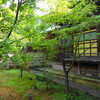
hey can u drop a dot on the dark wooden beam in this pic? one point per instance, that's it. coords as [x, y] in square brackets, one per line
[99, 70]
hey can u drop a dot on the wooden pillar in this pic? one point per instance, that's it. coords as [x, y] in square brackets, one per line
[99, 70]
[98, 40]
[79, 71]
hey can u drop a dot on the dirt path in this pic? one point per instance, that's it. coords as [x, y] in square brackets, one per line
[7, 93]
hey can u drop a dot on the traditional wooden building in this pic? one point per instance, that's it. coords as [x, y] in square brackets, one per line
[86, 54]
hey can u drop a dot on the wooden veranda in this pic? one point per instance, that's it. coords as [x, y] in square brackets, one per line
[81, 60]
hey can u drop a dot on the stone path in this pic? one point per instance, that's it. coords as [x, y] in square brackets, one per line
[81, 87]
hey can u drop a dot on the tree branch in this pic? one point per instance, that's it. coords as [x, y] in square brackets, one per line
[23, 2]
[16, 18]
[22, 38]
[12, 27]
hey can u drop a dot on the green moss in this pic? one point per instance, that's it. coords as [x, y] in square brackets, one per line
[59, 96]
[11, 78]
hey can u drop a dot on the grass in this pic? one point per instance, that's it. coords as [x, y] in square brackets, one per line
[9, 80]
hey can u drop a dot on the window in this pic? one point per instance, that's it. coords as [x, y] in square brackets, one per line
[87, 44]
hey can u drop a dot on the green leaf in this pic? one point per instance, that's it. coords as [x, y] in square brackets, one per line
[4, 1]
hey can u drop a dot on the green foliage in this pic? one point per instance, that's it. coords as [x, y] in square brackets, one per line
[3, 1]
[41, 85]
[44, 81]
[12, 6]
[45, 77]
[78, 95]
[44, 85]
[31, 29]
[75, 95]
[60, 13]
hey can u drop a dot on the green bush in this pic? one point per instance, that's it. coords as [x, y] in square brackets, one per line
[45, 77]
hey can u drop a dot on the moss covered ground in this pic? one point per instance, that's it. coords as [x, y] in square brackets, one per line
[12, 87]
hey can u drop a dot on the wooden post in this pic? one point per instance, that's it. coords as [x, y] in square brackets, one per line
[79, 72]
[99, 70]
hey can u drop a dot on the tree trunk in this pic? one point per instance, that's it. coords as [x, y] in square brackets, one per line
[21, 71]
[15, 65]
[67, 82]
[66, 78]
